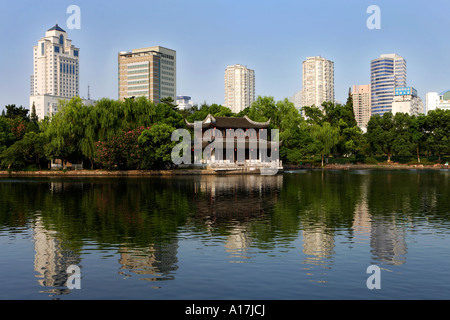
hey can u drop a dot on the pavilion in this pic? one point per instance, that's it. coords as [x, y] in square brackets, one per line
[244, 144]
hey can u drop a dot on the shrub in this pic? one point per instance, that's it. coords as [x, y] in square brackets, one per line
[370, 160]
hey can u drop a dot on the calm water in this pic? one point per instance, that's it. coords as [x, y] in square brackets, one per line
[298, 235]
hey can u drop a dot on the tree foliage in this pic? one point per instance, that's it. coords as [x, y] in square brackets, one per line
[136, 133]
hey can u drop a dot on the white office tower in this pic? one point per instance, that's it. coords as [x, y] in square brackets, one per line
[318, 81]
[239, 87]
[56, 72]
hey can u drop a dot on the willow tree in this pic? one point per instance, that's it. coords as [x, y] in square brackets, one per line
[326, 137]
[88, 133]
[64, 131]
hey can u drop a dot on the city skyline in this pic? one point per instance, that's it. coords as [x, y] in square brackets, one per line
[206, 43]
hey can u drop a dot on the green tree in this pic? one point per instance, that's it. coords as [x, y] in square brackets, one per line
[355, 142]
[313, 115]
[121, 151]
[264, 109]
[381, 133]
[16, 112]
[402, 143]
[64, 131]
[7, 138]
[418, 133]
[294, 134]
[438, 126]
[339, 115]
[326, 137]
[29, 150]
[157, 146]
[33, 116]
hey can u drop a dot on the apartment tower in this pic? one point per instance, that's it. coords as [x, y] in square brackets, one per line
[386, 73]
[56, 72]
[318, 81]
[148, 72]
[361, 104]
[239, 87]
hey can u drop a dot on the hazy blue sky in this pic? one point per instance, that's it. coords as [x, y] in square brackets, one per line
[271, 37]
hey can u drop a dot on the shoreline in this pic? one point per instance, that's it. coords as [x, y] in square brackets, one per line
[186, 172]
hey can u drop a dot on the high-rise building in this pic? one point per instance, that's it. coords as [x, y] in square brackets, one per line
[55, 72]
[239, 87]
[361, 104]
[387, 73]
[148, 72]
[318, 81]
[407, 101]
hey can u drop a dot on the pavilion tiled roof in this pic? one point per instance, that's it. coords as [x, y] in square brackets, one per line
[230, 123]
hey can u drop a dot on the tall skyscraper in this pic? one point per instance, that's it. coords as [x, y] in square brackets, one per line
[239, 87]
[386, 73]
[56, 71]
[148, 72]
[318, 81]
[361, 104]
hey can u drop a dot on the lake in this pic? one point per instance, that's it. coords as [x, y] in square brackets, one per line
[310, 234]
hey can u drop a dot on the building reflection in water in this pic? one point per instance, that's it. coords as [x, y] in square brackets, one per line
[155, 263]
[387, 242]
[318, 248]
[385, 236]
[238, 244]
[51, 260]
[362, 218]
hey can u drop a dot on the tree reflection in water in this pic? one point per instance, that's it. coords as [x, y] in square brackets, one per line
[308, 213]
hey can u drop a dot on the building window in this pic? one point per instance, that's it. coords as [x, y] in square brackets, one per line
[61, 39]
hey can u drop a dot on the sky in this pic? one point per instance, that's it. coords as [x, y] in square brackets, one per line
[272, 37]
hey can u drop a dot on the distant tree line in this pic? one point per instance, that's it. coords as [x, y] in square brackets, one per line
[136, 133]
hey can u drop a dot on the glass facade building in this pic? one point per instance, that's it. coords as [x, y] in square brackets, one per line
[387, 73]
